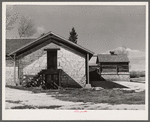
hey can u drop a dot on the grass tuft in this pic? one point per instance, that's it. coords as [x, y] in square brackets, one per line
[23, 107]
[35, 107]
[10, 101]
[103, 96]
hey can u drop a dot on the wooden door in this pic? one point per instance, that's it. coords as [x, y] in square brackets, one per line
[52, 78]
[48, 81]
[51, 59]
[52, 81]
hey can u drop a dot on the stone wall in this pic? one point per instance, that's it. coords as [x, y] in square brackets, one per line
[33, 61]
[67, 81]
[9, 73]
[124, 76]
[71, 63]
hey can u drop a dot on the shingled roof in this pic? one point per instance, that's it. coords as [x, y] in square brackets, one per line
[19, 46]
[14, 44]
[112, 58]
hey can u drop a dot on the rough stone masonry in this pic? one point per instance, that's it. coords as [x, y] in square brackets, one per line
[35, 60]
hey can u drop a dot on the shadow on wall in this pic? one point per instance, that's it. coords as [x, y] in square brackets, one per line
[97, 81]
[68, 82]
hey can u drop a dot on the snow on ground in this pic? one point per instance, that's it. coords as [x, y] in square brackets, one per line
[14, 98]
[104, 106]
[132, 85]
[32, 99]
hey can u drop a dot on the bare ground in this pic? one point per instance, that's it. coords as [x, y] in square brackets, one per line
[60, 100]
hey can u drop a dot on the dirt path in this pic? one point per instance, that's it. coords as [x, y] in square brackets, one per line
[20, 99]
[132, 85]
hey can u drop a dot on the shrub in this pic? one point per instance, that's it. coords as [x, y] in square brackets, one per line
[134, 74]
[33, 81]
[142, 74]
[137, 74]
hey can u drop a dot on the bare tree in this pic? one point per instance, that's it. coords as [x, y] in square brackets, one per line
[26, 27]
[11, 18]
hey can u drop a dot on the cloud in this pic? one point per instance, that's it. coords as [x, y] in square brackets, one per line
[136, 58]
[40, 30]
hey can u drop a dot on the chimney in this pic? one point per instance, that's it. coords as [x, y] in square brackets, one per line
[112, 52]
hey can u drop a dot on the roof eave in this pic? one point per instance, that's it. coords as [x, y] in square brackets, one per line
[72, 43]
[14, 52]
[48, 34]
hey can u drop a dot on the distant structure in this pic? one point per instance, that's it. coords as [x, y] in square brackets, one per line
[113, 66]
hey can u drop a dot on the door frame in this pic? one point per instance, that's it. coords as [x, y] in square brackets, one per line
[52, 71]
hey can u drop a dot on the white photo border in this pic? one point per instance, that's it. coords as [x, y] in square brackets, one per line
[71, 114]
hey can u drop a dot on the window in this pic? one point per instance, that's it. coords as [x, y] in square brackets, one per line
[109, 68]
[123, 68]
[114, 68]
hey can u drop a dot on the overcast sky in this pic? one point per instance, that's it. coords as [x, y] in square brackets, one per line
[99, 28]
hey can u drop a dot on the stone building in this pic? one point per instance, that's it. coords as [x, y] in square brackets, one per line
[58, 60]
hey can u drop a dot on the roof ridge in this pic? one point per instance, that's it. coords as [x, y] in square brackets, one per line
[49, 35]
[113, 54]
[71, 42]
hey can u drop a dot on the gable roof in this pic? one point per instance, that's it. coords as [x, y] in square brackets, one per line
[49, 35]
[14, 44]
[112, 58]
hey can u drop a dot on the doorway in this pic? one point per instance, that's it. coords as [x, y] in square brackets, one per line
[52, 81]
[52, 73]
[52, 60]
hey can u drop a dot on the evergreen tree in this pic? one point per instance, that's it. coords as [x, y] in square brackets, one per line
[73, 36]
